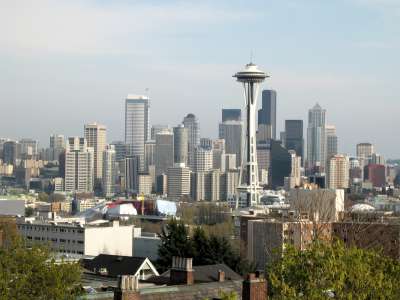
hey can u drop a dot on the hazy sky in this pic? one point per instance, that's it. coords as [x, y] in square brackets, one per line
[65, 63]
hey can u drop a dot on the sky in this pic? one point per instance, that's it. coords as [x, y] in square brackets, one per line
[65, 63]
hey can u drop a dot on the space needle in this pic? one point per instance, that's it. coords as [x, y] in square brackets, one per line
[249, 187]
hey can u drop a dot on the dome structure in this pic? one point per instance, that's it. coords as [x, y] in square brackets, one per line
[362, 207]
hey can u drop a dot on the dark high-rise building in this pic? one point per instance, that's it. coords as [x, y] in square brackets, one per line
[11, 152]
[281, 164]
[231, 114]
[294, 137]
[132, 167]
[267, 115]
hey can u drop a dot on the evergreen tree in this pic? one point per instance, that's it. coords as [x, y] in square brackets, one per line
[174, 242]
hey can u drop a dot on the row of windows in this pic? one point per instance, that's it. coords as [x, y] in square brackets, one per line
[45, 228]
[36, 238]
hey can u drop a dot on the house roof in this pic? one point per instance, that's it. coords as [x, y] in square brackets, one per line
[202, 274]
[117, 265]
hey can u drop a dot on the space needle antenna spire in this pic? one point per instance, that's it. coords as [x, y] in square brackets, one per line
[249, 188]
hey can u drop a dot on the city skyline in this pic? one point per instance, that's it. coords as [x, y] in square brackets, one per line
[346, 73]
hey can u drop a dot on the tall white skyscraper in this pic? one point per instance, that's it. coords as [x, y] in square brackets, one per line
[203, 160]
[109, 171]
[137, 125]
[95, 135]
[192, 124]
[316, 139]
[338, 172]
[79, 166]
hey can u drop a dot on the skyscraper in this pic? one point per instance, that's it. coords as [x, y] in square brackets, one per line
[281, 164]
[203, 160]
[178, 181]
[137, 125]
[95, 135]
[11, 152]
[267, 115]
[192, 124]
[294, 136]
[181, 142]
[331, 141]
[230, 129]
[338, 172]
[79, 166]
[109, 171]
[231, 114]
[365, 150]
[164, 152]
[132, 169]
[57, 146]
[316, 139]
[29, 148]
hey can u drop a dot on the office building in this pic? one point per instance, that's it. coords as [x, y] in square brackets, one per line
[178, 181]
[375, 174]
[132, 169]
[228, 184]
[377, 159]
[120, 150]
[109, 170]
[231, 114]
[338, 176]
[192, 124]
[231, 132]
[157, 129]
[181, 145]
[149, 154]
[68, 237]
[294, 137]
[331, 141]
[267, 116]
[164, 152]
[29, 148]
[316, 140]
[145, 184]
[95, 135]
[365, 150]
[203, 160]
[206, 143]
[137, 125]
[294, 179]
[218, 150]
[79, 166]
[11, 153]
[57, 146]
[281, 164]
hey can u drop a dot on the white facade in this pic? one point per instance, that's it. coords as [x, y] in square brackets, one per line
[109, 171]
[338, 172]
[79, 165]
[316, 138]
[75, 238]
[192, 124]
[203, 160]
[95, 135]
[178, 182]
[145, 184]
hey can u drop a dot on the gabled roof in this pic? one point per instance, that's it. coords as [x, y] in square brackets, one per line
[118, 265]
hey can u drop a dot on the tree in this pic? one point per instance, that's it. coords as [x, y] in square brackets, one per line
[333, 270]
[31, 273]
[43, 197]
[174, 242]
[29, 211]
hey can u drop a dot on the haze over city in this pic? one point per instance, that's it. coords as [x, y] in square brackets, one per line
[66, 63]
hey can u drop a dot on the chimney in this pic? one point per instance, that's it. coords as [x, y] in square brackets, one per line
[254, 288]
[128, 288]
[181, 271]
[221, 276]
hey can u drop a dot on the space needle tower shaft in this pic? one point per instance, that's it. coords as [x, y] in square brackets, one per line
[249, 187]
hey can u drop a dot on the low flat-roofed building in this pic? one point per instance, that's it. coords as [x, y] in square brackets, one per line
[79, 238]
